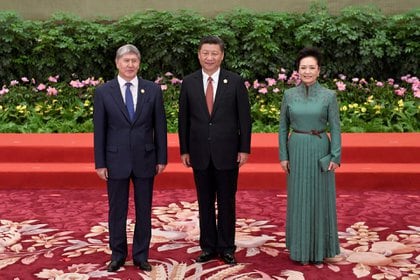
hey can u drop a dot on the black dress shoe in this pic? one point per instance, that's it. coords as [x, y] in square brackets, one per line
[115, 265]
[228, 258]
[145, 266]
[205, 257]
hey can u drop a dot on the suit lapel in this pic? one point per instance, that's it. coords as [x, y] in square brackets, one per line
[198, 80]
[141, 92]
[221, 88]
[116, 94]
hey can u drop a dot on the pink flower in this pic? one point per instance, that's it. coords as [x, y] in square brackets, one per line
[390, 81]
[270, 81]
[256, 84]
[175, 81]
[412, 80]
[164, 87]
[247, 84]
[379, 84]
[405, 78]
[417, 94]
[77, 84]
[94, 82]
[282, 70]
[363, 81]
[90, 82]
[341, 86]
[342, 77]
[415, 86]
[52, 91]
[41, 87]
[282, 77]
[24, 79]
[263, 90]
[14, 82]
[168, 74]
[275, 90]
[86, 82]
[4, 90]
[33, 81]
[355, 80]
[158, 80]
[294, 79]
[400, 92]
[53, 79]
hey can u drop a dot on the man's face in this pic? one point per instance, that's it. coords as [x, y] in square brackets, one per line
[128, 65]
[210, 57]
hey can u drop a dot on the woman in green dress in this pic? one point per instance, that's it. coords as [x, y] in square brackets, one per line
[310, 156]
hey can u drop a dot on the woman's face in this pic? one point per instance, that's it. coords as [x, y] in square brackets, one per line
[308, 70]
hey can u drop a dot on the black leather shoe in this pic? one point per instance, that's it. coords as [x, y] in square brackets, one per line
[205, 257]
[228, 258]
[115, 265]
[145, 266]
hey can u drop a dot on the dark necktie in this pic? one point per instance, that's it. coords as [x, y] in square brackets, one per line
[209, 95]
[129, 101]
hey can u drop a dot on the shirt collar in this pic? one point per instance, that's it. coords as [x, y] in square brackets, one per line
[215, 75]
[122, 82]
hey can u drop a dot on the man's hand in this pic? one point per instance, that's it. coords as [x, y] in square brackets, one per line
[242, 158]
[185, 159]
[160, 168]
[102, 173]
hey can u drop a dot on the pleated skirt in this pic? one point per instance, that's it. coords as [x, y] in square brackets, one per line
[311, 222]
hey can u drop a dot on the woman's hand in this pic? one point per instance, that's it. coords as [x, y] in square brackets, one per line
[333, 166]
[285, 166]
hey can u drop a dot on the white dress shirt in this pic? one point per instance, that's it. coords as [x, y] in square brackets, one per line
[134, 89]
[215, 82]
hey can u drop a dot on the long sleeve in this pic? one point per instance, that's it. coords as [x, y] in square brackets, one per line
[244, 116]
[284, 129]
[99, 120]
[160, 129]
[335, 129]
[183, 120]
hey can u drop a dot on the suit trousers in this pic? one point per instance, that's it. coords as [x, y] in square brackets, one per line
[118, 198]
[217, 235]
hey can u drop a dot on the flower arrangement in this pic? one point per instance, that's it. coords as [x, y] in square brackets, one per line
[366, 105]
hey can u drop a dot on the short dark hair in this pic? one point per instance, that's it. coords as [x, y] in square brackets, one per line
[306, 52]
[211, 39]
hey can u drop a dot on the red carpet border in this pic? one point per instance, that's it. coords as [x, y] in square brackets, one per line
[370, 161]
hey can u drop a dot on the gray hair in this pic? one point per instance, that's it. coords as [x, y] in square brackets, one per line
[128, 48]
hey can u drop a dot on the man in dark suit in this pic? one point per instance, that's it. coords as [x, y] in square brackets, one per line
[215, 139]
[130, 143]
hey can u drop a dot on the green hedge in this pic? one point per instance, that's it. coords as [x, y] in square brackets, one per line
[360, 42]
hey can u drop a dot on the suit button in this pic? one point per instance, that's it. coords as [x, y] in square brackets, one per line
[210, 123]
[209, 139]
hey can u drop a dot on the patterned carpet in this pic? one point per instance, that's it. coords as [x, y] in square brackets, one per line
[62, 234]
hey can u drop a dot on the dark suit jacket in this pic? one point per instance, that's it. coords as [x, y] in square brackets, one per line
[124, 147]
[223, 134]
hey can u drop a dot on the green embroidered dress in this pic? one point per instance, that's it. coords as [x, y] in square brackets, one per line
[311, 222]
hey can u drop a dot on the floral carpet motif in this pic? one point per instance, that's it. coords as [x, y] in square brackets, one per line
[63, 234]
